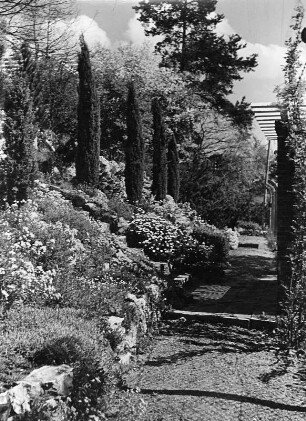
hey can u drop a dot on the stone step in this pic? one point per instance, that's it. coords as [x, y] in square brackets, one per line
[243, 320]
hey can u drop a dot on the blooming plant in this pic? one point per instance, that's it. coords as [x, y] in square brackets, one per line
[158, 237]
[232, 237]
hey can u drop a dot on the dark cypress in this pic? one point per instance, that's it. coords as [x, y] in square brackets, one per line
[134, 149]
[173, 170]
[159, 185]
[88, 128]
[20, 131]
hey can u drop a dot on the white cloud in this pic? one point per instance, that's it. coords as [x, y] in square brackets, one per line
[93, 34]
[135, 32]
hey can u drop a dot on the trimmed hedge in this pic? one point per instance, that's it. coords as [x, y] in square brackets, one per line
[215, 239]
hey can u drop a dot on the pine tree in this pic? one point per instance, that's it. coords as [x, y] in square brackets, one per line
[134, 149]
[88, 128]
[173, 170]
[159, 185]
[20, 130]
[191, 44]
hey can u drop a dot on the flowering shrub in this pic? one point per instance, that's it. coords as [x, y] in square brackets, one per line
[159, 238]
[40, 254]
[22, 276]
[232, 237]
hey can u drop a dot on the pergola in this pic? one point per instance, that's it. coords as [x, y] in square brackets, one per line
[265, 114]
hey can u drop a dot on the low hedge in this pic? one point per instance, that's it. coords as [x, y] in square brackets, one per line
[215, 239]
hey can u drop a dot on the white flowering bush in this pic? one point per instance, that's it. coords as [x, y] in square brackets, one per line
[159, 238]
[232, 237]
[22, 277]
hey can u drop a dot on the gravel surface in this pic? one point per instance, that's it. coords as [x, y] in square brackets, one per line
[201, 372]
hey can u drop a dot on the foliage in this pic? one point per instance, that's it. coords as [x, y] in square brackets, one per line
[249, 227]
[191, 44]
[88, 149]
[20, 130]
[114, 69]
[32, 337]
[232, 238]
[134, 149]
[173, 176]
[160, 145]
[222, 187]
[162, 240]
[292, 326]
[158, 237]
[214, 238]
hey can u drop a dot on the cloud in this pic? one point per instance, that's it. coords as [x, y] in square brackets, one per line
[93, 34]
[135, 32]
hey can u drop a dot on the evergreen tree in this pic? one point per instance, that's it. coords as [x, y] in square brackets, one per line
[159, 185]
[190, 44]
[20, 130]
[173, 170]
[134, 149]
[88, 128]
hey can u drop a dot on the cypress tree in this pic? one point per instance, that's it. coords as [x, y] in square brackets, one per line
[173, 170]
[88, 128]
[159, 185]
[20, 130]
[134, 149]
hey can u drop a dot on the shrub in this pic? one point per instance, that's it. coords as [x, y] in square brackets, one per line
[121, 208]
[33, 337]
[232, 237]
[211, 236]
[158, 237]
[249, 227]
[193, 255]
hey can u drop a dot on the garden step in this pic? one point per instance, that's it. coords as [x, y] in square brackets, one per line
[243, 320]
[249, 245]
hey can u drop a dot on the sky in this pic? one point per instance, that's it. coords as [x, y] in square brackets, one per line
[263, 24]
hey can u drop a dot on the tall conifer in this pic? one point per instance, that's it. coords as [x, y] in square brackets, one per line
[88, 129]
[173, 170]
[159, 185]
[20, 129]
[134, 149]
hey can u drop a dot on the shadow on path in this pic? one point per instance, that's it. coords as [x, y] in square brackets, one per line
[248, 287]
[226, 396]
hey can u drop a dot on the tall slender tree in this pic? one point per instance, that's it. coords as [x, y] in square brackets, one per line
[134, 149]
[20, 129]
[159, 185]
[88, 128]
[173, 187]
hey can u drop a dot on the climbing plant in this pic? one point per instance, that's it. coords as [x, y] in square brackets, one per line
[292, 324]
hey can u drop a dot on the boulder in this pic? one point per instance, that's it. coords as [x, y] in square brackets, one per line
[5, 406]
[56, 380]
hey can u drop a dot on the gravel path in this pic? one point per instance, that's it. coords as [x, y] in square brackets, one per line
[201, 372]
